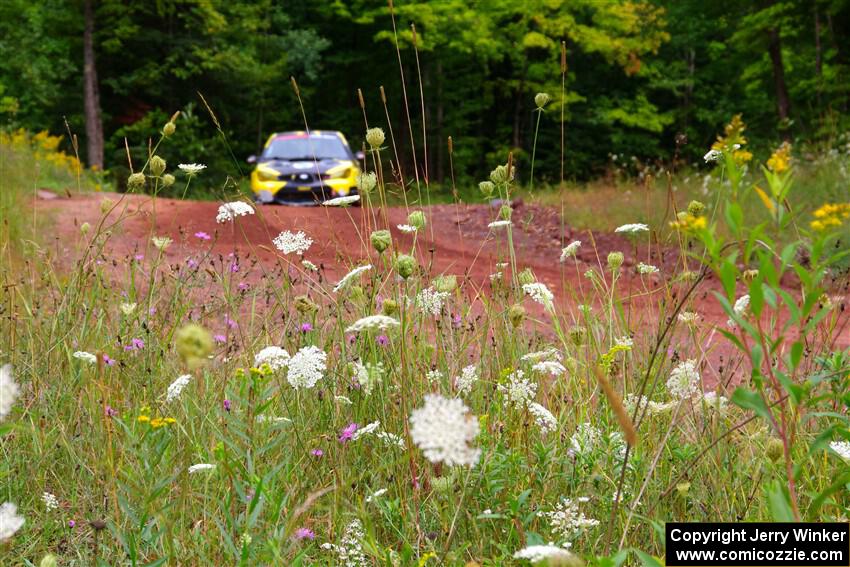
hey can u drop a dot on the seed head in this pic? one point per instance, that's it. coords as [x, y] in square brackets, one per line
[516, 314]
[696, 208]
[157, 166]
[304, 305]
[405, 265]
[445, 284]
[487, 188]
[375, 137]
[417, 219]
[390, 307]
[366, 182]
[106, 206]
[505, 212]
[775, 449]
[136, 181]
[169, 128]
[85, 228]
[167, 180]
[615, 260]
[527, 277]
[381, 240]
[541, 100]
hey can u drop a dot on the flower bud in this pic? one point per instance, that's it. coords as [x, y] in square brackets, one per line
[169, 128]
[487, 188]
[505, 212]
[136, 181]
[577, 334]
[375, 137]
[405, 265]
[516, 314]
[366, 182]
[194, 344]
[85, 228]
[615, 260]
[305, 305]
[417, 219]
[167, 180]
[446, 283]
[390, 307]
[381, 240]
[541, 99]
[499, 175]
[527, 277]
[696, 208]
[157, 166]
[106, 206]
[775, 449]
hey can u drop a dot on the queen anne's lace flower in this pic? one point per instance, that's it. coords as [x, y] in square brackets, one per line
[632, 228]
[191, 169]
[85, 356]
[289, 242]
[375, 495]
[366, 430]
[684, 381]
[10, 521]
[229, 211]
[688, 317]
[50, 501]
[740, 309]
[349, 552]
[552, 554]
[842, 449]
[201, 467]
[9, 390]
[407, 228]
[443, 429]
[468, 377]
[584, 440]
[351, 276]
[539, 293]
[431, 301]
[372, 323]
[567, 520]
[519, 390]
[646, 269]
[712, 156]
[543, 418]
[308, 265]
[161, 242]
[499, 224]
[176, 387]
[306, 367]
[276, 357]
[570, 250]
[341, 201]
[542, 355]
[550, 367]
[391, 439]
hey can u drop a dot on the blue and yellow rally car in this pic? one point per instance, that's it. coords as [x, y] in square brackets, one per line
[302, 168]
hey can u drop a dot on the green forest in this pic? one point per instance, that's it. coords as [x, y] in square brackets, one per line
[654, 79]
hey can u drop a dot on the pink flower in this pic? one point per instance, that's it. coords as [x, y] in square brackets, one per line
[306, 327]
[139, 257]
[317, 452]
[109, 411]
[135, 344]
[243, 286]
[230, 322]
[108, 361]
[305, 533]
[220, 338]
[226, 405]
[383, 340]
[202, 235]
[348, 432]
[191, 263]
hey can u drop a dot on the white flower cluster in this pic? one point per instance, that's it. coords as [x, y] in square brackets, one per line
[434, 376]
[543, 418]
[841, 448]
[372, 323]
[539, 293]
[443, 429]
[368, 375]
[128, 308]
[341, 201]
[624, 342]
[632, 402]
[306, 367]
[552, 554]
[632, 228]
[499, 224]
[85, 356]
[375, 495]
[201, 467]
[10, 521]
[584, 440]
[646, 269]
[349, 552]
[391, 439]
[229, 211]
[50, 501]
[567, 520]
[570, 250]
[551, 367]
[176, 387]
[519, 390]
[740, 309]
[468, 377]
[276, 357]
[430, 301]
[712, 156]
[161, 242]
[688, 317]
[407, 228]
[350, 276]
[9, 390]
[366, 430]
[289, 242]
[191, 169]
[542, 355]
[684, 381]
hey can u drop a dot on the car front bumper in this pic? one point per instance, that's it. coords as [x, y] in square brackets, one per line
[288, 192]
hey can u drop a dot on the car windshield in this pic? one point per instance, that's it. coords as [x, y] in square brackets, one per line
[318, 146]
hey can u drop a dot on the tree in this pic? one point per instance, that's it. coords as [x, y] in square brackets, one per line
[91, 98]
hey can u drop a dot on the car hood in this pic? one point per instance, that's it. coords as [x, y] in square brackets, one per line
[287, 167]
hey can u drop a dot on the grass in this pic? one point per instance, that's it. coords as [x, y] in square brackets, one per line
[95, 341]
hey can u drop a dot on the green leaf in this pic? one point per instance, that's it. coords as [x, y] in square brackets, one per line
[750, 400]
[647, 560]
[780, 505]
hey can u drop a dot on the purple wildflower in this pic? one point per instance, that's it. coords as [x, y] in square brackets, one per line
[226, 405]
[306, 327]
[457, 321]
[234, 267]
[139, 257]
[108, 361]
[109, 411]
[243, 286]
[305, 533]
[202, 235]
[135, 344]
[348, 432]
[191, 263]
[231, 324]
[383, 340]
[317, 452]
[71, 524]
[220, 338]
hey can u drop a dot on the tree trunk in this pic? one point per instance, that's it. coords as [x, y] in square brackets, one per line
[441, 151]
[91, 93]
[774, 48]
[818, 56]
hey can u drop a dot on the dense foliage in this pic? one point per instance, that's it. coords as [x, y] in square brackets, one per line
[643, 77]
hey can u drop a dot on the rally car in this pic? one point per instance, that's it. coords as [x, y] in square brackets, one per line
[302, 168]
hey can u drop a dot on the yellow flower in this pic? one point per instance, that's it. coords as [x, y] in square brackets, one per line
[733, 141]
[143, 418]
[780, 161]
[830, 215]
[688, 222]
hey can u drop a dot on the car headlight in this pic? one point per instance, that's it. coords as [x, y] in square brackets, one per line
[341, 174]
[267, 175]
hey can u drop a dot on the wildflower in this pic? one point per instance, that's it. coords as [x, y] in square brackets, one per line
[348, 433]
[229, 211]
[72, 524]
[276, 357]
[584, 440]
[417, 219]
[50, 501]
[539, 293]
[201, 467]
[688, 317]
[516, 313]
[343, 399]
[85, 356]
[341, 201]
[350, 276]
[551, 554]
[431, 301]
[733, 141]
[109, 411]
[157, 166]
[128, 308]
[542, 355]
[10, 521]
[136, 181]
[551, 367]
[615, 260]
[191, 169]
[624, 343]
[739, 309]
[219, 338]
[779, 162]
[543, 418]
[375, 137]
[194, 344]
[289, 242]
[519, 390]
[445, 283]
[688, 222]
[381, 240]
[541, 100]
[434, 376]
[135, 344]
[176, 387]
[684, 381]
[499, 224]
[308, 265]
[405, 265]
[365, 430]
[570, 250]
[407, 228]
[227, 405]
[168, 180]
[830, 215]
[161, 242]
[367, 181]
[375, 495]
[169, 128]
[487, 188]
[317, 452]
[349, 552]
[631, 229]
[645, 269]
[840, 448]
[567, 520]
[371, 323]
[715, 401]
[468, 377]
[712, 156]
[306, 367]
[501, 175]
[305, 533]
[390, 439]
[382, 340]
[85, 228]
[443, 430]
